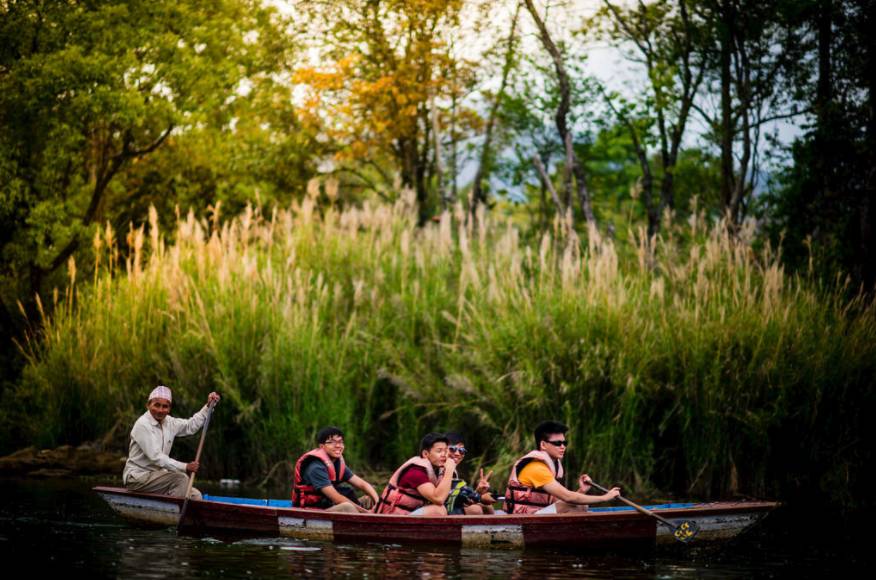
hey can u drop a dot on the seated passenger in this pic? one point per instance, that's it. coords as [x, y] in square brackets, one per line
[320, 472]
[534, 486]
[417, 487]
[463, 499]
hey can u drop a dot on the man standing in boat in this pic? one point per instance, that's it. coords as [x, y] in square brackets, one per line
[422, 483]
[149, 467]
[534, 484]
[320, 472]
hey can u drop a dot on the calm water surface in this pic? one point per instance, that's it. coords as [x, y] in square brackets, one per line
[61, 526]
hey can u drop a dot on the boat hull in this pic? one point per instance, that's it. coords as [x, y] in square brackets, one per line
[615, 528]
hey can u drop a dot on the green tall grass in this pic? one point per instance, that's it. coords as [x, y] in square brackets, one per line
[689, 363]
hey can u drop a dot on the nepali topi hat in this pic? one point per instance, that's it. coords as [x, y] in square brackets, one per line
[160, 392]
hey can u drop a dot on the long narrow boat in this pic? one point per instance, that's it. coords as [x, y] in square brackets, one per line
[612, 527]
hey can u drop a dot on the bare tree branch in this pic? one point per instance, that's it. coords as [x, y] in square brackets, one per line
[563, 111]
[545, 179]
[477, 195]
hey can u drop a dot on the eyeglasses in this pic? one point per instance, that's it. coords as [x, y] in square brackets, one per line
[558, 443]
[335, 442]
[457, 449]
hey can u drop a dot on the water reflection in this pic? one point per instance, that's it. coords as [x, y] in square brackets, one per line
[63, 526]
[438, 563]
[396, 561]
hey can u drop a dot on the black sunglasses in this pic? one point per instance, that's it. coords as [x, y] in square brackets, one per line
[457, 449]
[558, 443]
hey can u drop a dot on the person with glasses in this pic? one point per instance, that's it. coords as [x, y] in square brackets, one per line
[320, 472]
[463, 500]
[534, 484]
[420, 486]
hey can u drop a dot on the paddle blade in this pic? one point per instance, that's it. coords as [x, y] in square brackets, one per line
[190, 521]
[686, 531]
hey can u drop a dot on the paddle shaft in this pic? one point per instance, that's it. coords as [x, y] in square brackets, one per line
[197, 458]
[637, 507]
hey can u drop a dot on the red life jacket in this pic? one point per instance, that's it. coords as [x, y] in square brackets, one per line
[398, 500]
[305, 495]
[520, 499]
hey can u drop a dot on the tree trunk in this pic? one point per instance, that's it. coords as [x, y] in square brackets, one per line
[478, 196]
[690, 83]
[743, 186]
[439, 162]
[583, 193]
[454, 156]
[546, 183]
[563, 112]
[867, 205]
[726, 41]
[823, 98]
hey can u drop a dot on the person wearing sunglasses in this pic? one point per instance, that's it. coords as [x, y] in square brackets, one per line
[534, 484]
[320, 472]
[463, 500]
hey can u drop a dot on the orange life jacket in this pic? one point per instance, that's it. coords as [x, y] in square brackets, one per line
[399, 500]
[305, 495]
[520, 499]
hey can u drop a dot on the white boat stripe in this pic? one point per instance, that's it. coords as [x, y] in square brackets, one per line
[306, 528]
[144, 509]
[494, 535]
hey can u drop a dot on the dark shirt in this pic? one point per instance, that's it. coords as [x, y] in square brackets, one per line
[413, 477]
[316, 474]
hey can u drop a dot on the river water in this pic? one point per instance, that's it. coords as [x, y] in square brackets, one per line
[62, 526]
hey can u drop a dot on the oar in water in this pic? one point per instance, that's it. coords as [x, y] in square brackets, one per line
[683, 532]
[182, 512]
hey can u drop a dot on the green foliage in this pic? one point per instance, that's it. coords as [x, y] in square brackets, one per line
[821, 202]
[264, 157]
[692, 362]
[87, 90]
[696, 364]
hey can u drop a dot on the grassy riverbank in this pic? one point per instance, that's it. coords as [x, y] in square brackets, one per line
[692, 364]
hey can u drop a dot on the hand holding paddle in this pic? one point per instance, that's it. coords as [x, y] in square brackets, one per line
[212, 401]
[683, 532]
[585, 483]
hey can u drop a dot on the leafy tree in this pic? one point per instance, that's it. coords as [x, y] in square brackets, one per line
[573, 165]
[90, 89]
[529, 147]
[262, 157]
[822, 207]
[377, 97]
[666, 40]
[747, 50]
[478, 195]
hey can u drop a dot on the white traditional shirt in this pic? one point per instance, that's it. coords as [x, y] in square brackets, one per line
[151, 442]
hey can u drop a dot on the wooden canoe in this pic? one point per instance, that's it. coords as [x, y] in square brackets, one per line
[611, 527]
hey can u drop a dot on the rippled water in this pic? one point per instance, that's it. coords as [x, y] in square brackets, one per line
[62, 526]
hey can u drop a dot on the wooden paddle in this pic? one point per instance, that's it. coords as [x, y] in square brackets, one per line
[182, 512]
[683, 532]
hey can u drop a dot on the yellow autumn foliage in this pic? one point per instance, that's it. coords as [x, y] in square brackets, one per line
[377, 99]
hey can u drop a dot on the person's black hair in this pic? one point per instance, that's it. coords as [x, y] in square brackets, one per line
[327, 433]
[546, 428]
[429, 441]
[454, 438]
